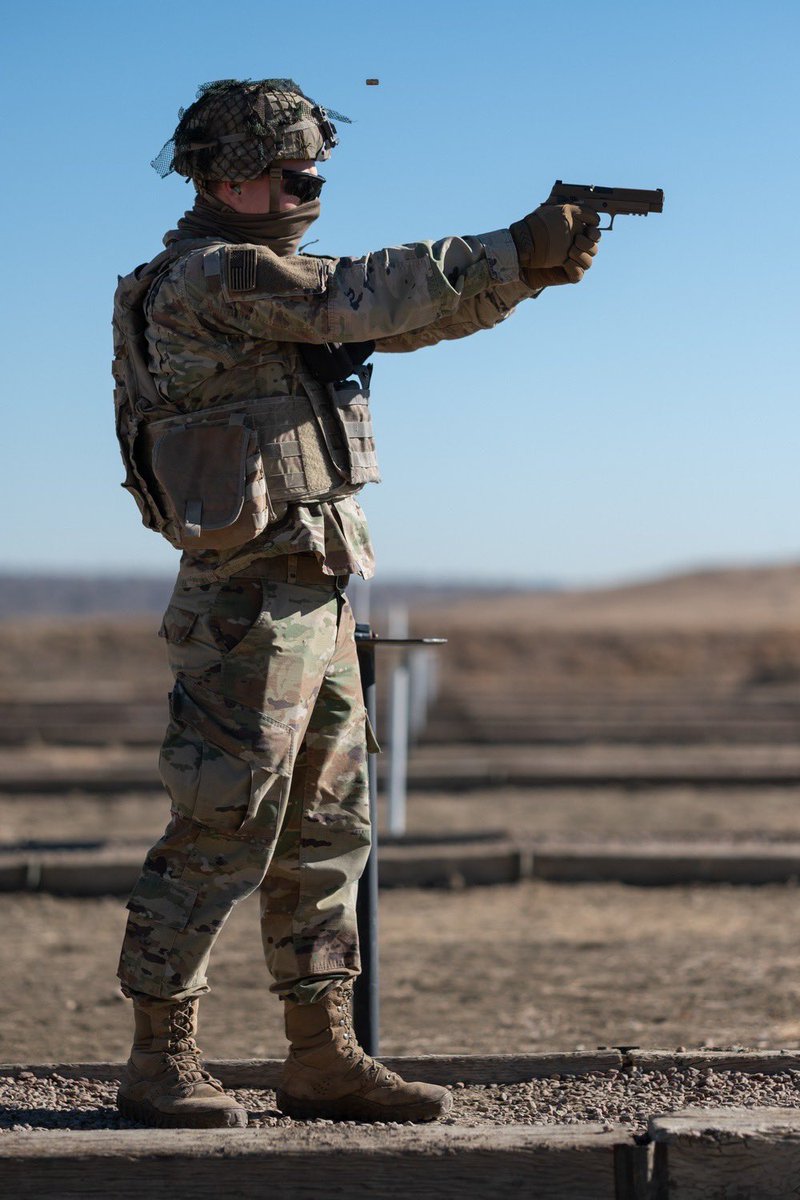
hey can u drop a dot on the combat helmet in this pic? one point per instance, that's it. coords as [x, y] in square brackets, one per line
[237, 128]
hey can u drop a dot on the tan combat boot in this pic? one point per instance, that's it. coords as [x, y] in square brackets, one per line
[164, 1083]
[327, 1074]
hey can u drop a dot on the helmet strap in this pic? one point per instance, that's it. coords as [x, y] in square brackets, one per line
[275, 179]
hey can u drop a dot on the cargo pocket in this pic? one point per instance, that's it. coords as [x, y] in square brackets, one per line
[164, 901]
[177, 625]
[236, 608]
[230, 778]
[212, 479]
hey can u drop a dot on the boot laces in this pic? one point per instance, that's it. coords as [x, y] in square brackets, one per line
[182, 1054]
[362, 1061]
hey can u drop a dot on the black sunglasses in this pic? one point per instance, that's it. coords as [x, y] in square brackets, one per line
[302, 185]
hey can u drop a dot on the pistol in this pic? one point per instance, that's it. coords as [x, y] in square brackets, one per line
[615, 201]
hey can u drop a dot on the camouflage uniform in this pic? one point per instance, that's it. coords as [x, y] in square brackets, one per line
[242, 413]
[264, 758]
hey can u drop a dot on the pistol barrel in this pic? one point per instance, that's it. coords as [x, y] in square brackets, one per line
[612, 200]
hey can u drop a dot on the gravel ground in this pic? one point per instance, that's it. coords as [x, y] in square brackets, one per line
[628, 1097]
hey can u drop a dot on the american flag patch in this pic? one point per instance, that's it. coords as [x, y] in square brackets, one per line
[242, 264]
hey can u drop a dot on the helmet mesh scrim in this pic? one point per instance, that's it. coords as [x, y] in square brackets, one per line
[236, 128]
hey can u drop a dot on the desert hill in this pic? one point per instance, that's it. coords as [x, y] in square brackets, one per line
[746, 598]
[733, 627]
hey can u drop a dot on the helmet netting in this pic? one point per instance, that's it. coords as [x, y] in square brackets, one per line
[236, 128]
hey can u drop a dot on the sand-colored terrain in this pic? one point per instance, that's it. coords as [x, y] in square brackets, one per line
[703, 665]
[527, 967]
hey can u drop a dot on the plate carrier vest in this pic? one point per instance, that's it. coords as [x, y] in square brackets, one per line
[215, 478]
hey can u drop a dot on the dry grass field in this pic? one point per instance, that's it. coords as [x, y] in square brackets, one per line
[707, 664]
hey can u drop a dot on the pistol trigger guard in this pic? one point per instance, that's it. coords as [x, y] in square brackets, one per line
[605, 228]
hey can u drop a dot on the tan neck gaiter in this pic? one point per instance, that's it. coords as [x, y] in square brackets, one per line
[281, 231]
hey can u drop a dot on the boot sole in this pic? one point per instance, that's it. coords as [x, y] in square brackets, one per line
[145, 1114]
[355, 1108]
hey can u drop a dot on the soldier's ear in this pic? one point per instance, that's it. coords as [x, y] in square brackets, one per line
[223, 189]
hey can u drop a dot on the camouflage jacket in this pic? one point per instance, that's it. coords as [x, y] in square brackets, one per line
[224, 321]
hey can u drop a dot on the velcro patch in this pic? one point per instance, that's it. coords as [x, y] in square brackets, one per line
[242, 269]
[251, 273]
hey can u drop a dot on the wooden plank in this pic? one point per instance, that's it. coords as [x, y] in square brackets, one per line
[713, 1154]
[90, 875]
[13, 874]
[428, 1068]
[557, 1163]
[109, 872]
[96, 783]
[106, 1072]
[449, 1069]
[452, 766]
[443, 1068]
[755, 1062]
[459, 864]
[454, 865]
[666, 863]
[444, 779]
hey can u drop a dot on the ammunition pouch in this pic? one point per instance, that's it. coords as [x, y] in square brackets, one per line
[210, 478]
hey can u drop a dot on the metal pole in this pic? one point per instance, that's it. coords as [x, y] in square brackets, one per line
[366, 995]
[433, 680]
[418, 692]
[366, 1010]
[398, 743]
[398, 727]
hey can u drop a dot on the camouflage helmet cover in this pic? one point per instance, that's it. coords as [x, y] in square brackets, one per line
[237, 127]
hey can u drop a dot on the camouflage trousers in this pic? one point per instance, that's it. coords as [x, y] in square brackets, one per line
[264, 760]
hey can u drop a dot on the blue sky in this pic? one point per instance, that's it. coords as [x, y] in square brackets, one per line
[642, 421]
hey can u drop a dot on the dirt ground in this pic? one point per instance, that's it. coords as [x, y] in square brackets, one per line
[542, 815]
[527, 967]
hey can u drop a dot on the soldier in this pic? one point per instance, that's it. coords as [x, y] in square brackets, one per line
[243, 418]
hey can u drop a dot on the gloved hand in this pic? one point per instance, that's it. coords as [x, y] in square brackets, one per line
[560, 236]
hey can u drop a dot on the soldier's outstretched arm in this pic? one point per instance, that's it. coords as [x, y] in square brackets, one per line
[555, 244]
[473, 314]
[462, 283]
[304, 298]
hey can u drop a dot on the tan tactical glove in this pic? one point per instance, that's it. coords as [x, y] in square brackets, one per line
[556, 244]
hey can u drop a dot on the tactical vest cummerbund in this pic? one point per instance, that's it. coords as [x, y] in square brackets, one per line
[222, 473]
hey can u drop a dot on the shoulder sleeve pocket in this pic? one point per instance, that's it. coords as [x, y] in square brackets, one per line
[256, 272]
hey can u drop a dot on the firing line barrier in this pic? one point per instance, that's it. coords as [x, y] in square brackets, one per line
[695, 1154]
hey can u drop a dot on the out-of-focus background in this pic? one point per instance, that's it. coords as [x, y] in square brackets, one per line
[620, 596]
